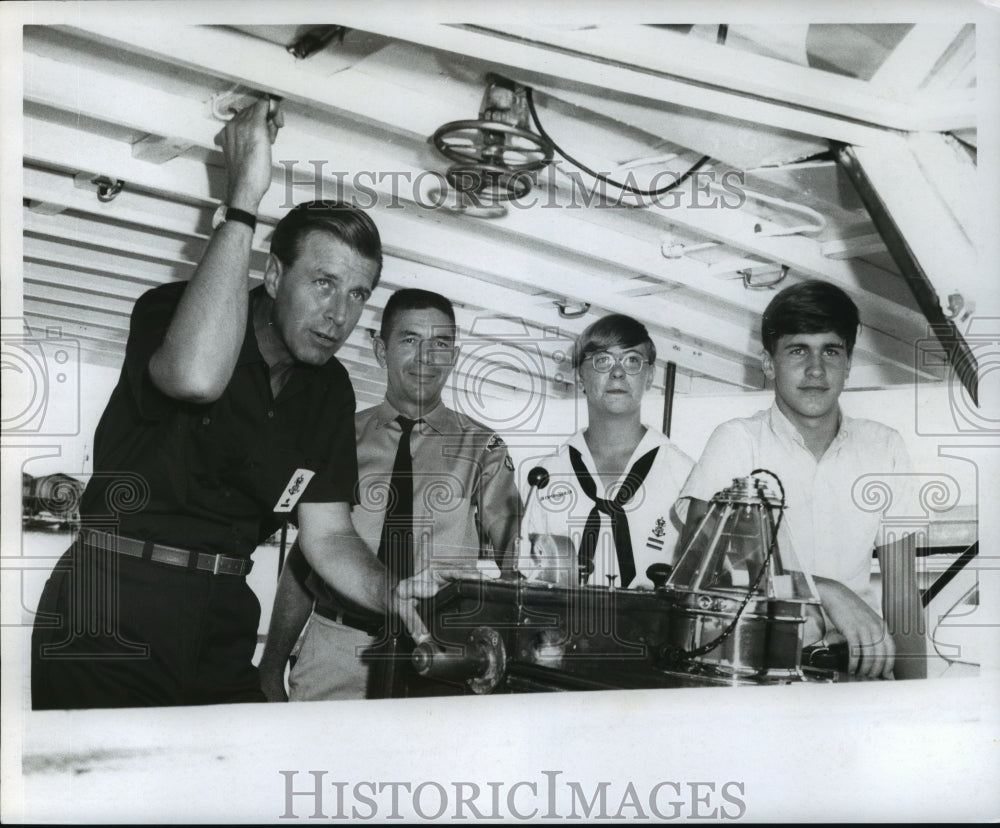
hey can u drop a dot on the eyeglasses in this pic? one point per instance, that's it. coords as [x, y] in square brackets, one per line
[630, 362]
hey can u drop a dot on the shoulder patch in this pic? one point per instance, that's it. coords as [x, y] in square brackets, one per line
[495, 442]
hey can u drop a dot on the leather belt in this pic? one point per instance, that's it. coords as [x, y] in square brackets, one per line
[170, 555]
[349, 619]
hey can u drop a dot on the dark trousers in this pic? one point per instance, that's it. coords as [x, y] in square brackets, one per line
[115, 631]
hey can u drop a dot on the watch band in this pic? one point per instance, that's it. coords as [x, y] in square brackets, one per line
[226, 213]
[242, 216]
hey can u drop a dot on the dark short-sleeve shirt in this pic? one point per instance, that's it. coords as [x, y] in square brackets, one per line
[208, 477]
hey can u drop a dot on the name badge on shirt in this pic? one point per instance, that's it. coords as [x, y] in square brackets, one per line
[293, 491]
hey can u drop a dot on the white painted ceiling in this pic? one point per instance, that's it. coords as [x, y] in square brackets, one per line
[140, 104]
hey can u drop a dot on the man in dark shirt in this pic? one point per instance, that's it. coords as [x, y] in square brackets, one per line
[230, 414]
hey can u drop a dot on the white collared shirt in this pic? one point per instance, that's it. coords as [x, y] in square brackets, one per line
[555, 516]
[829, 521]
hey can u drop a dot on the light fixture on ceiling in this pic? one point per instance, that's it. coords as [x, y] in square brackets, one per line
[495, 154]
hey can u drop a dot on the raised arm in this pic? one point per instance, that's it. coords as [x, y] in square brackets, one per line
[292, 606]
[201, 346]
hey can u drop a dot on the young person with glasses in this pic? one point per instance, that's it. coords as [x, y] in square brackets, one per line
[606, 512]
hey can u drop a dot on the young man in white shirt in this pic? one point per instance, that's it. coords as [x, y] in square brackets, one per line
[819, 453]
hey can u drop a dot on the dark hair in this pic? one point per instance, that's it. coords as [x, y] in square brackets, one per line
[352, 226]
[413, 299]
[609, 331]
[812, 306]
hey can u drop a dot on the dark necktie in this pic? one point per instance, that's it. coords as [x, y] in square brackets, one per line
[613, 508]
[395, 549]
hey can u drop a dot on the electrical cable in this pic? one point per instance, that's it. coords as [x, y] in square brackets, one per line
[720, 38]
[600, 176]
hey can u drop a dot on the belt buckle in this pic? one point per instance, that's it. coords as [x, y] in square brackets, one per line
[217, 564]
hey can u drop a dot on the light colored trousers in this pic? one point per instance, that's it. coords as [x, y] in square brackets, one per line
[329, 663]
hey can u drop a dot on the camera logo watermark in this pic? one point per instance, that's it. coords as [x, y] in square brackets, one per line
[531, 371]
[41, 384]
[965, 417]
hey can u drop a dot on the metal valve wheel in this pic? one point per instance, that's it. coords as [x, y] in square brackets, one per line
[492, 143]
[489, 183]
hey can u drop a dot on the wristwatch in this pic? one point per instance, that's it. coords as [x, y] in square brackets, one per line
[226, 213]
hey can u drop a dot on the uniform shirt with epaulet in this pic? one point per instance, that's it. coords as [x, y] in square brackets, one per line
[465, 501]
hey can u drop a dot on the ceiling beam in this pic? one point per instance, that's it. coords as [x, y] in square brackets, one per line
[908, 66]
[740, 143]
[854, 247]
[53, 278]
[214, 50]
[483, 301]
[799, 253]
[721, 67]
[926, 182]
[448, 245]
[521, 62]
[482, 242]
[924, 260]
[199, 47]
[731, 227]
[102, 332]
[404, 229]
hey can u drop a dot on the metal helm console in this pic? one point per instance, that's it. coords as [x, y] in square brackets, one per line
[739, 600]
[731, 612]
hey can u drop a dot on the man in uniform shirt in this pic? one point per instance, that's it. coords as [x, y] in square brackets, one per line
[819, 453]
[463, 496]
[230, 413]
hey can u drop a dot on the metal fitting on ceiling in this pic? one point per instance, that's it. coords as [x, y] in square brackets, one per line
[566, 313]
[316, 39]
